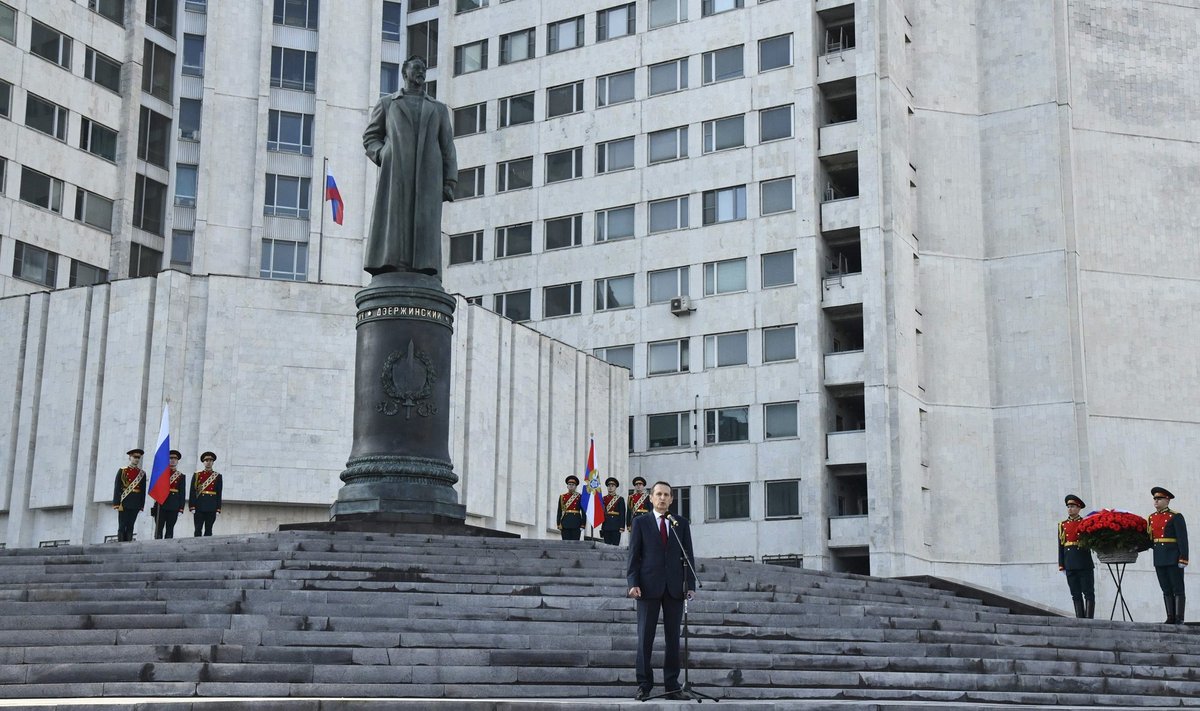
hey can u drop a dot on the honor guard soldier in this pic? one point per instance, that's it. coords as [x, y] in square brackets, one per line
[639, 501]
[570, 515]
[129, 494]
[1075, 560]
[614, 513]
[204, 499]
[167, 514]
[1169, 533]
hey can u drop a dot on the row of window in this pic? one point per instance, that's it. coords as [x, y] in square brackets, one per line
[51, 119]
[617, 292]
[619, 223]
[722, 425]
[721, 350]
[47, 192]
[731, 502]
[57, 48]
[40, 266]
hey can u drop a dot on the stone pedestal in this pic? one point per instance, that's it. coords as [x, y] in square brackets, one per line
[399, 468]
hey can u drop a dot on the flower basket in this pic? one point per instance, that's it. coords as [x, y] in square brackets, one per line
[1116, 536]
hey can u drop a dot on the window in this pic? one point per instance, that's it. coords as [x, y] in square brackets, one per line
[776, 195]
[293, 69]
[667, 357]
[517, 46]
[284, 260]
[470, 119]
[564, 232]
[102, 69]
[564, 99]
[154, 131]
[614, 293]
[681, 503]
[615, 22]
[723, 350]
[564, 165]
[35, 264]
[112, 9]
[470, 57]
[391, 21]
[182, 244]
[41, 189]
[467, 5]
[667, 12]
[514, 174]
[614, 223]
[725, 277]
[421, 5]
[725, 133]
[8, 24]
[475, 300]
[45, 116]
[668, 144]
[666, 284]
[778, 344]
[422, 40]
[466, 248]
[160, 14]
[668, 76]
[779, 420]
[83, 274]
[616, 355]
[185, 185]
[5, 99]
[779, 269]
[3, 174]
[197, 6]
[97, 139]
[143, 261]
[727, 502]
[614, 88]
[724, 205]
[516, 110]
[775, 123]
[562, 300]
[672, 429]
[722, 64]
[712, 7]
[729, 424]
[470, 183]
[513, 305]
[92, 209]
[783, 498]
[289, 132]
[669, 214]
[774, 52]
[389, 78]
[514, 240]
[149, 204]
[564, 35]
[50, 44]
[158, 71]
[287, 196]
[296, 13]
[614, 155]
[193, 55]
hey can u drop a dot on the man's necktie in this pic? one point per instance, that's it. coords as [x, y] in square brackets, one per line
[662, 529]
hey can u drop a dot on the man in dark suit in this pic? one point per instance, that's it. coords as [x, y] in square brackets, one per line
[659, 580]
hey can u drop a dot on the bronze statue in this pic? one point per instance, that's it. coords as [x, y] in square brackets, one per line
[411, 138]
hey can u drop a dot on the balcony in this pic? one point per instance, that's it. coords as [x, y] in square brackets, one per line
[844, 368]
[837, 65]
[840, 214]
[849, 531]
[838, 138]
[846, 447]
[842, 290]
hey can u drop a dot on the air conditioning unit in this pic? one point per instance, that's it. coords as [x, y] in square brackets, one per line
[681, 306]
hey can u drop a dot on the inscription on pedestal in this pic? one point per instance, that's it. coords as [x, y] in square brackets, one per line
[407, 312]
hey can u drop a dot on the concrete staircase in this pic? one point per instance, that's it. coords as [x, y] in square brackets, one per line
[302, 614]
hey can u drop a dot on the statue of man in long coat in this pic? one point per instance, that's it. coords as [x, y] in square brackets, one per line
[411, 138]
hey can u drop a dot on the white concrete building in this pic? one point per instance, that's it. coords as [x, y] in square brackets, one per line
[891, 276]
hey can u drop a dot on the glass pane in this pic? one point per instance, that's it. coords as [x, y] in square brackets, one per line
[777, 196]
[779, 420]
[778, 269]
[663, 430]
[779, 344]
[731, 349]
[775, 124]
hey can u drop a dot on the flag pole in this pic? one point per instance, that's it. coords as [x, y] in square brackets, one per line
[321, 232]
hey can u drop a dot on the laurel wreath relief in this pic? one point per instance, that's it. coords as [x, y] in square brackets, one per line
[419, 367]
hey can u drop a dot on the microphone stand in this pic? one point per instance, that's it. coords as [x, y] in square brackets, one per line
[687, 691]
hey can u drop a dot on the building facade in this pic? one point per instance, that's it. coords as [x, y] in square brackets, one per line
[890, 277]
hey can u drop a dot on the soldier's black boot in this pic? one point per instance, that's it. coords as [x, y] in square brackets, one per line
[1089, 608]
[1180, 604]
[1169, 601]
[1078, 606]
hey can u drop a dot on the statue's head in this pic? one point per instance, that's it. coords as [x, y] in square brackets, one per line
[414, 71]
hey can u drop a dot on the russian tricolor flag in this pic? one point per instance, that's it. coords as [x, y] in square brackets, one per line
[335, 197]
[593, 505]
[160, 477]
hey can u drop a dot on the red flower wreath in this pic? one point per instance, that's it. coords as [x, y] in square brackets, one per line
[1110, 531]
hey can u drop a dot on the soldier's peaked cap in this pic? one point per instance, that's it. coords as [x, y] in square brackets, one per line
[572, 479]
[612, 480]
[639, 480]
[1073, 499]
[175, 453]
[1159, 490]
[207, 455]
[136, 451]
